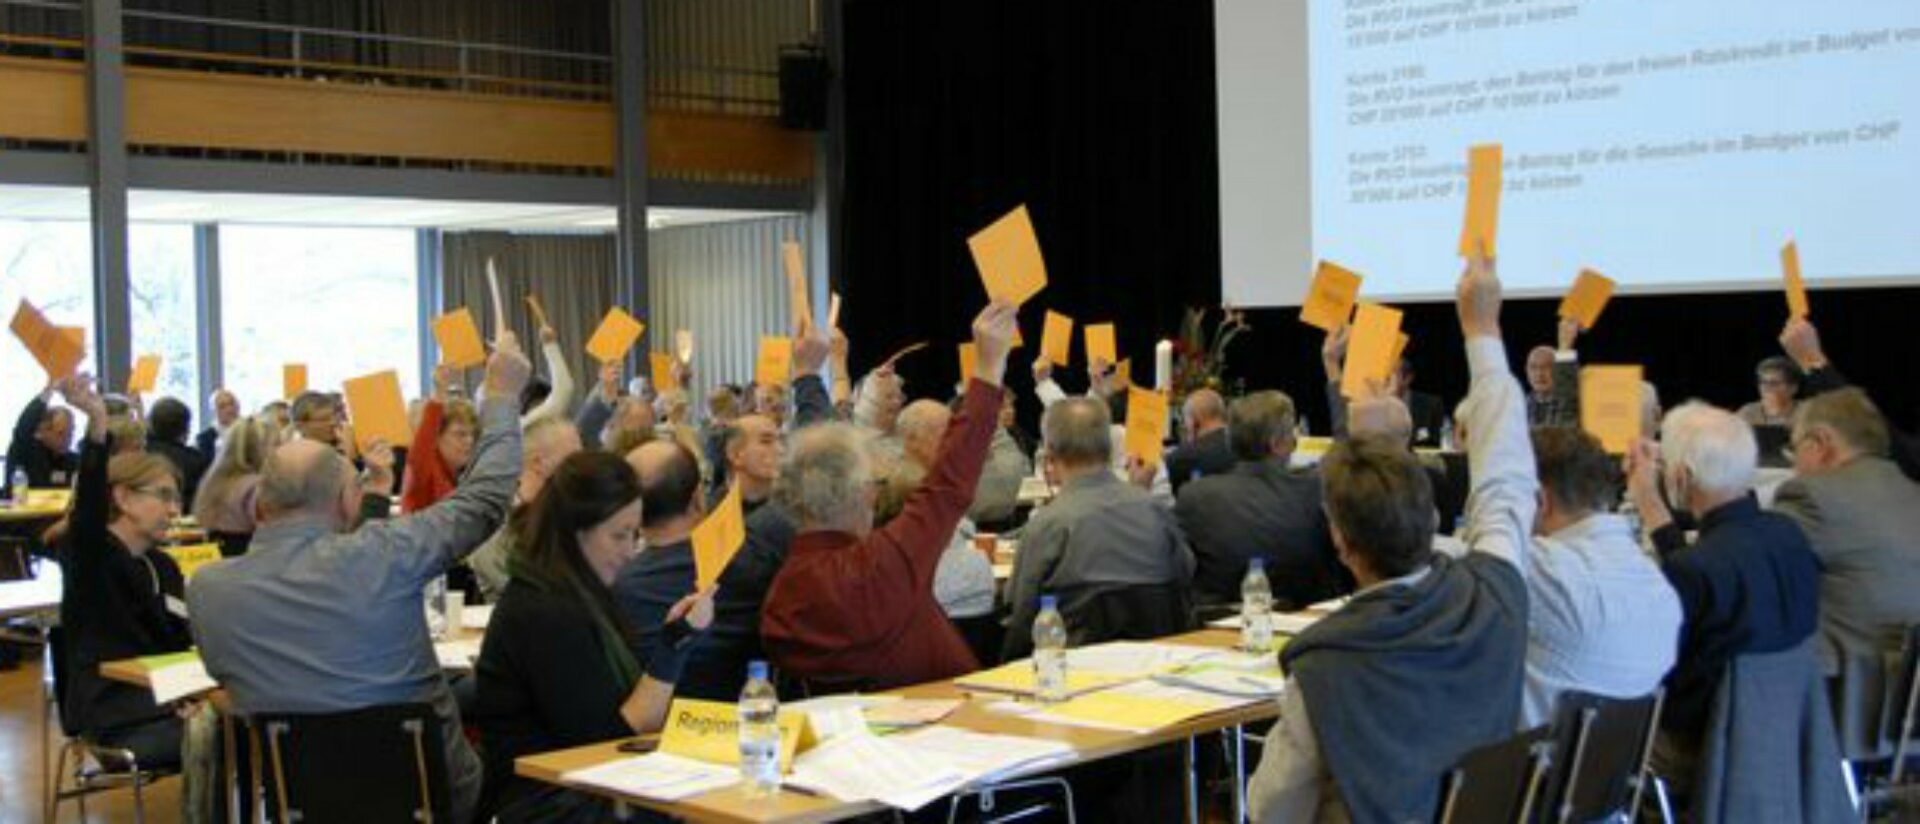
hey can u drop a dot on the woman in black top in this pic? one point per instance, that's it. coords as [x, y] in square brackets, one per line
[557, 668]
[121, 599]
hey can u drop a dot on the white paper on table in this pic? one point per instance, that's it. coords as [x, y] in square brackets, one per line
[457, 655]
[983, 757]
[658, 776]
[183, 680]
[862, 766]
[476, 616]
[1133, 658]
[1229, 681]
[835, 715]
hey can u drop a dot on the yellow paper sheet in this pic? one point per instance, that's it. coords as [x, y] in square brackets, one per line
[146, 374]
[969, 361]
[1056, 339]
[1589, 295]
[459, 339]
[1017, 679]
[1146, 424]
[775, 361]
[1399, 351]
[1483, 201]
[795, 266]
[293, 380]
[1376, 330]
[379, 411]
[662, 365]
[615, 336]
[1330, 299]
[58, 350]
[191, 558]
[1610, 405]
[1007, 254]
[1100, 344]
[1119, 709]
[1797, 306]
[717, 538]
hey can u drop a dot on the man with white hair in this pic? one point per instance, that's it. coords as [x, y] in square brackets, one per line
[226, 410]
[853, 603]
[319, 617]
[1860, 515]
[1553, 375]
[1749, 584]
[1203, 450]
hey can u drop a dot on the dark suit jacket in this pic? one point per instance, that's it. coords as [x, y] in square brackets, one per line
[189, 461]
[1206, 455]
[1906, 446]
[1259, 509]
[1429, 417]
[208, 443]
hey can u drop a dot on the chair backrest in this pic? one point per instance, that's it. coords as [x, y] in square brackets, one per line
[1902, 720]
[385, 763]
[1138, 612]
[1499, 782]
[16, 562]
[1603, 746]
[57, 672]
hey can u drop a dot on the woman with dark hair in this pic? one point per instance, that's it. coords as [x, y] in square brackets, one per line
[558, 668]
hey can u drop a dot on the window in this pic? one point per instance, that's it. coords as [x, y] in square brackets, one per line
[51, 264]
[343, 301]
[163, 304]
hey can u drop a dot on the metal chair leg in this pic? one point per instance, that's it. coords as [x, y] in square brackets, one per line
[1666, 803]
[139, 801]
[56, 782]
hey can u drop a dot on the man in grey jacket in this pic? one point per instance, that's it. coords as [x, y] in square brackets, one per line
[319, 617]
[1861, 516]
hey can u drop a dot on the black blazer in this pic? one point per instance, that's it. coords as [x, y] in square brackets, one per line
[1206, 455]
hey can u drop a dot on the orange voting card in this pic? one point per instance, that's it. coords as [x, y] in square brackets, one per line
[1610, 405]
[969, 360]
[459, 339]
[58, 350]
[1483, 200]
[1056, 339]
[379, 412]
[1330, 300]
[146, 373]
[1796, 286]
[795, 266]
[1008, 256]
[615, 337]
[293, 380]
[774, 362]
[1146, 424]
[1376, 332]
[1100, 344]
[717, 538]
[1589, 295]
[662, 365]
[1399, 350]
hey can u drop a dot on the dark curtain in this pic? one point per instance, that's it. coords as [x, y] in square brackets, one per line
[1099, 117]
[1102, 119]
[572, 275]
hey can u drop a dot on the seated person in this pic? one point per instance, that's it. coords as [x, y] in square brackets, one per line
[43, 444]
[1802, 342]
[855, 603]
[1861, 517]
[1425, 663]
[1101, 539]
[1601, 617]
[322, 617]
[964, 582]
[120, 597]
[226, 413]
[1262, 509]
[1779, 382]
[557, 668]
[442, 445]
[1749, 583]
[1203, 449]
[545, 443]
[168, 424]
[224, 504]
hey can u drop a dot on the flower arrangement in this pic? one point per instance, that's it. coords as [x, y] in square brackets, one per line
[1200, 359]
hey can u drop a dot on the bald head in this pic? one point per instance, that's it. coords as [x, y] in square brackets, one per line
[1383, 418]
[669, 483]
[1540, 369]
[1205, 411]
[304, 477]
[545, 443]
[920, 427]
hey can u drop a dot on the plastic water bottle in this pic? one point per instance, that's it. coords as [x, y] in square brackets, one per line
[759, 733]
[1447, 443]
[19, 487]
[1049, 652]
[435, 596]
[1256, 608]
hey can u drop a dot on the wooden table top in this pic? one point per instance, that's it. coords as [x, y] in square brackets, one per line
[730, 804]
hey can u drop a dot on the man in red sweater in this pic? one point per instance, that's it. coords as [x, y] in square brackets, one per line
[854, 603]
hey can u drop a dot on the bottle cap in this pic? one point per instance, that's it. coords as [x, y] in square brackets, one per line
[1048, 602]
[757, 670]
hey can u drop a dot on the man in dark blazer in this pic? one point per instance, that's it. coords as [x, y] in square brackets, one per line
[1261, 509]
[226, 410]
[1204, 450]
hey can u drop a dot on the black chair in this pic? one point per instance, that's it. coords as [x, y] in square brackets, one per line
[1139, 612]
[1903, 688]
[385, 763]
[1603, 745]
[95, 768]
[983, 635]
[1499, 782]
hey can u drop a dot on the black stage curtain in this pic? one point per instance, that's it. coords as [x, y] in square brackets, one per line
[1101, 117]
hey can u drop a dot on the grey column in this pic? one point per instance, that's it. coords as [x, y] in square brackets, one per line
[428, 265]
[107, 160]
[206, 278]
[630, 167]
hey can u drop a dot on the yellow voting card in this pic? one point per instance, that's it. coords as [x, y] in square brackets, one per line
[1331, 297]
[1797, 306]
[146, 373]
[1146, 424]
[1370, 347]
[1100, 344]
[717, 538]
[1589, 295]
[774, 362]
[615, 336]
[1610, 405]
[378, 410]
[459, 339]
[1482, 225]
[1007, 254]
[1056, 339]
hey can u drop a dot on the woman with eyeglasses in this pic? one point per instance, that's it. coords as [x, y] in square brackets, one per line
[442, 445]
[558, 667]
[122, 598]
[1779, 382]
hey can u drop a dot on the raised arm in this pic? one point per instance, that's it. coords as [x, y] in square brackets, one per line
[87, 523]
[1333, 355]
[811, 403]
[561, 396]
[1504, 496]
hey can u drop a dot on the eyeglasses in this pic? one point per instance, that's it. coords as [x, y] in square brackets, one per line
[163, 494]
[1774, 383]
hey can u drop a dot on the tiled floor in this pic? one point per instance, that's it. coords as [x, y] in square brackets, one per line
[22, 785]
